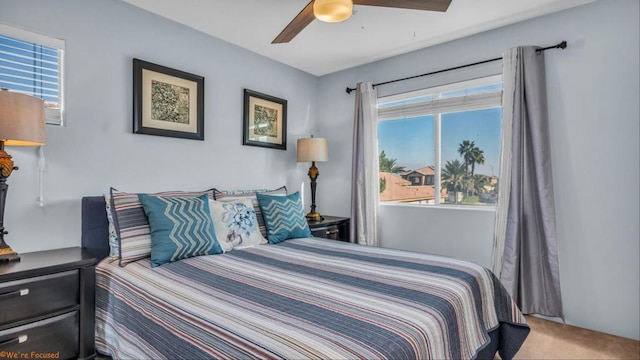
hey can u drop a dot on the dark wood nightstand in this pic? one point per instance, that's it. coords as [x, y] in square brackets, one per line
[47, 305]
[332, 227]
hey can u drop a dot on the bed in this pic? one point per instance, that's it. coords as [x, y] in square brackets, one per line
[305, 298]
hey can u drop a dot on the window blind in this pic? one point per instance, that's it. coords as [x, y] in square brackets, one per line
[475, 94]
[442, 105]
[32, 64]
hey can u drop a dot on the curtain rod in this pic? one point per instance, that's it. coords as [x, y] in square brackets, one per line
[561, 45]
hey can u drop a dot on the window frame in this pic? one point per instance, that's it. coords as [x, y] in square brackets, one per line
[410, 106]
[53, 116]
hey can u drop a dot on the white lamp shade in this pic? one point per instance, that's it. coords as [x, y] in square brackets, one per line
[332, 10]
[313, 149]
[22, 121]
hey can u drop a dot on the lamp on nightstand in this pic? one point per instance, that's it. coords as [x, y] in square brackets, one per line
[21, 124]
[312, 150]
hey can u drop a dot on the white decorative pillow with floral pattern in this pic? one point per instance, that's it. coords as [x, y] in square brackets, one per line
[235, 224]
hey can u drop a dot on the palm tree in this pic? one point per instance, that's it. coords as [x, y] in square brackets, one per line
[468, 185]
[474, 184]
[477, 157]
[453, 176]
[389, 165]
[471, 154]
[465, 149]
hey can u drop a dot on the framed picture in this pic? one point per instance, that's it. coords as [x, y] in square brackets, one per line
[265, 120]
[167, 102]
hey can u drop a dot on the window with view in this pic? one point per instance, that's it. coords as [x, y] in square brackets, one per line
[32, 64]
[441, 145]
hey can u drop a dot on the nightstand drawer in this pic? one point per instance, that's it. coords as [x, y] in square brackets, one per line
[37, 296]
[331, 227]
[328, 232]
[55, 337]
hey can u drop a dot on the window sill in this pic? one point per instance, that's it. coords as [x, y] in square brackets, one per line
[444, 207]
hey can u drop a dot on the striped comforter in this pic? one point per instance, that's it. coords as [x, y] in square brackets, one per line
[303, 298]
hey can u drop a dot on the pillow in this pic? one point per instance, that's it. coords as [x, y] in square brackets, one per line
[132, 225]
[234, 195]
[181, 227]
[114, 248]
[235, 224]
[284, 217]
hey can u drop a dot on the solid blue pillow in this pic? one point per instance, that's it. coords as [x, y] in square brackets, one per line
[284, 217]
[180, 228]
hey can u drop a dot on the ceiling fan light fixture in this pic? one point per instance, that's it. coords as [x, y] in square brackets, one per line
[332, 10]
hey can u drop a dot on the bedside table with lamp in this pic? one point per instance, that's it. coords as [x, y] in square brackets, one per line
[329, 227]
[47, 298]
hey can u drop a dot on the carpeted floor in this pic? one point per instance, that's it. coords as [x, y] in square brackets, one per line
[551, 340]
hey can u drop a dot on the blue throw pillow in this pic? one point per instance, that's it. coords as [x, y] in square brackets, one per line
[180, 228]
[284, 217]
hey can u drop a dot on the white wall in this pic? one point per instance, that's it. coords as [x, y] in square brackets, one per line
[593, 92]
[411, 227]
[97, 149]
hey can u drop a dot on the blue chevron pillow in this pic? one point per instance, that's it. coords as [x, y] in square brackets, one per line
[284, 217]
[180, 228]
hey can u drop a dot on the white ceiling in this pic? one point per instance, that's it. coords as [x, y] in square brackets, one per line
[372, 33]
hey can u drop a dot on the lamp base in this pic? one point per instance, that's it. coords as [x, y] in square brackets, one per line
[8, 255]
[314, 216]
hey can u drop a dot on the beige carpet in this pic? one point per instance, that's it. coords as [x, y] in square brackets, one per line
[551, 340]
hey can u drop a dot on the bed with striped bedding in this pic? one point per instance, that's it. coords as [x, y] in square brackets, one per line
[304, 299]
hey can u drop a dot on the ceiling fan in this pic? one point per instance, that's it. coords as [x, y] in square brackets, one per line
[340, 10]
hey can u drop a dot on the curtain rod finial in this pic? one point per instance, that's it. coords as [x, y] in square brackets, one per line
[349, 90]
[563, 45]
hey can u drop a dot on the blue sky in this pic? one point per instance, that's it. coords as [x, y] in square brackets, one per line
[411, 141]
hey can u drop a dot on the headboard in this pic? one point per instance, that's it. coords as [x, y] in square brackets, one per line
[95, 226]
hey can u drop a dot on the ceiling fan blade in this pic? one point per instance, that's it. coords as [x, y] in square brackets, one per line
[431, 5]
[304, 18]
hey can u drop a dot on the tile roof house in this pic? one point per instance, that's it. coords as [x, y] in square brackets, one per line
[398, 189]
[422, 176]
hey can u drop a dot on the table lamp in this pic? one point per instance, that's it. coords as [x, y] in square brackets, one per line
[312, 150]
[21, 124]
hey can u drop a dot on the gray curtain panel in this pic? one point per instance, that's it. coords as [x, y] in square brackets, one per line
[364, 172]
[529, 268]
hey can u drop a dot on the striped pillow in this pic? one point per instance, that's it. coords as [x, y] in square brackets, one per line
[132, 225]
[235, 195]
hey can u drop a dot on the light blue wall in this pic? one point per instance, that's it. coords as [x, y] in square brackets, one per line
[97, 149]
[593, 91]
[593, 105]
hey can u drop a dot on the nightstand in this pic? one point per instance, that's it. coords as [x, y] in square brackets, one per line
[332, 227]
[47, 305]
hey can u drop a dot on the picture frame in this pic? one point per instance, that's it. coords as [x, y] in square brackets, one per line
[264, 120]
[167, 102]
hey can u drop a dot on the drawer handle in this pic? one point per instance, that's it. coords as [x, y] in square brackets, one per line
[10, 294]
[332, 232]
[20, 339]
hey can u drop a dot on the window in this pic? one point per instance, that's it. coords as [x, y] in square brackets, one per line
[429, 180]
[32, 64]
[448, 137]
